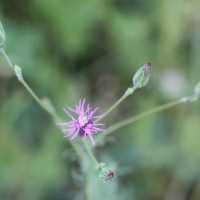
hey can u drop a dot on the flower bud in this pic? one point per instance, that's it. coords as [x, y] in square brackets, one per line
[142, 76]
[2, 35]
[106, 175]
[197, 89]
[18, 72]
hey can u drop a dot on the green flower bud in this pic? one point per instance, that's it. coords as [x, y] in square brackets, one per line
[106, 175]
[142, 76]
[197, 89]
[18, 72]
[2, 35]
[100, 166]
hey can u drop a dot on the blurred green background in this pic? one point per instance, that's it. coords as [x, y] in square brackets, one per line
[91, 49]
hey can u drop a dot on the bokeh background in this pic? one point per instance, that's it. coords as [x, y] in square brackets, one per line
[91, 49]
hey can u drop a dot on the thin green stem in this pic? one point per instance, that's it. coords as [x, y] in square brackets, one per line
[90, 152]
[135, 118]
[5, 55]
[29, 89]
[111, 108]
[89, 182]
[115, 105]
[39, 101]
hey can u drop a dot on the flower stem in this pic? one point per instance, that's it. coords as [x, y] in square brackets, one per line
[29, 89]
[135, 118]
[39, 101]
[5, 55]
[76, 146]
[115, 105]
[90, 152]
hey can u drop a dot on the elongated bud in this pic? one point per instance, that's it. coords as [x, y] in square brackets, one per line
[142, 76]
[106, 175]
[2, 35]
[197, 89]
[18, 72]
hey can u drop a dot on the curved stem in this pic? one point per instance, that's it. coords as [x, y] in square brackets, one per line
[115, 105]
[90, 153]
[135, 118]
[111, 108]
[29, 89]
[76, 146]
[39, 101]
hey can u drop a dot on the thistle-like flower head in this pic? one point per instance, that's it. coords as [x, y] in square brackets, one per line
[82, 126]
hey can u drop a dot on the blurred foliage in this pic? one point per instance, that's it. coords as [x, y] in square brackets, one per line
[91, 49]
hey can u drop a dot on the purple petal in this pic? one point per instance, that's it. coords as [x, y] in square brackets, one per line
[93, 130]
[71, 125]
[91, 139]
[98, 129]
[71, 129]
[75, 135]
[71, 109]
[90, 116]
[82, 108]
[68, 134]
[85, 134]
[95, 109]
[88, 108]
[98, 116]
[64, 123]
[69, 114]
[98, 124]
[78, 110]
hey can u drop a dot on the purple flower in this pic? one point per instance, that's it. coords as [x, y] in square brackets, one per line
[82, 126]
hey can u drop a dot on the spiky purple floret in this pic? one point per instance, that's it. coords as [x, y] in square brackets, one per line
[82, 126]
